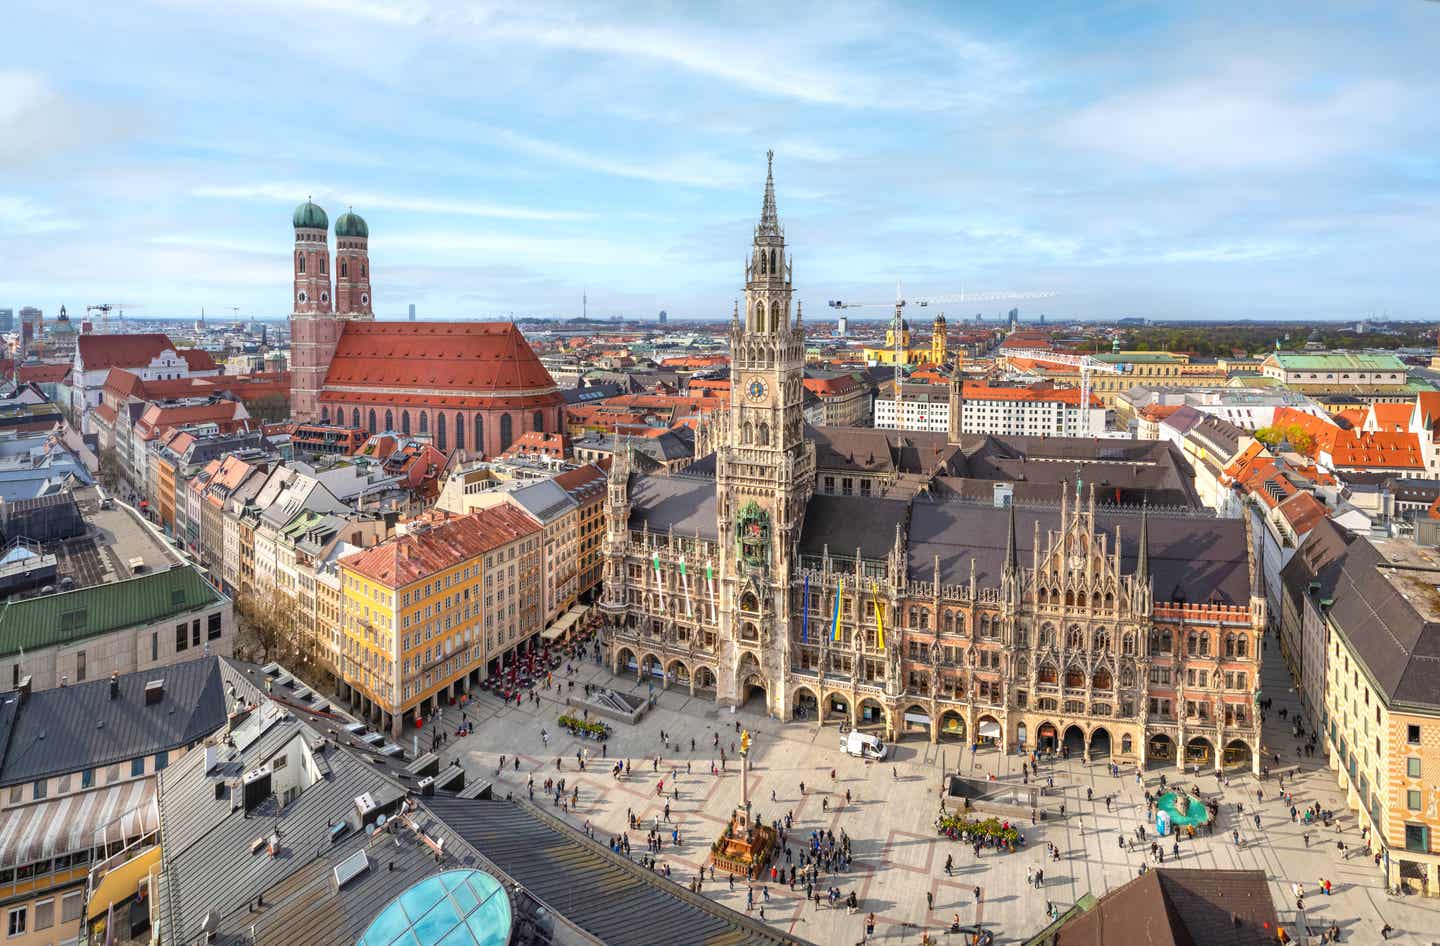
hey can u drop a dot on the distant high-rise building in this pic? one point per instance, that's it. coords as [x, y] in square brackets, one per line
[662, 316]
[7, 320]
[412, 311]
[1014, 315]
[29, 324]
[842, 327]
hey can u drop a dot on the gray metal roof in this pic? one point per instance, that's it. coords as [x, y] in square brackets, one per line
[68, 729]
[609, 897]
[1199, 558]
[685, 503]
[1391, 616]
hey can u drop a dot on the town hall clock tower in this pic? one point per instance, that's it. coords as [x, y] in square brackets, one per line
[765, 473]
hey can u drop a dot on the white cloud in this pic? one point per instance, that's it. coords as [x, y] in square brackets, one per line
[697, 170]
[1248, 117]
[276, 192]
[19, 215]
[37, 121]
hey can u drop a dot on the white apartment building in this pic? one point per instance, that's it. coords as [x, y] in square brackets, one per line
[1009, 411]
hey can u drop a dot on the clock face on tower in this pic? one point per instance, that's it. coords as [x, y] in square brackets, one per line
[755, 390]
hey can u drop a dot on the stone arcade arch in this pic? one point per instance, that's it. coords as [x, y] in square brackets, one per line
[805, 704]
[910, 725]
[1100, 743]
[952, 727]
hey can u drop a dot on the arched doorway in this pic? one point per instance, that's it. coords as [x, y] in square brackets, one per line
[1238, 754]
[705, 681]
[1047, 737]
[1199, 751]
[872, 715]
[752, 685]
[915, 721]
[677, 674]
[805, 706]
[1100, 743]
[1161, 751]
[624, 660]
[651, 668]
[837, 709]
[988, 731]
[1074, 741]
[952, 727]
[1020, 734]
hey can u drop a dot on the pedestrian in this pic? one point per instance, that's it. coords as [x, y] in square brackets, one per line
[977, 894]
[949, 863]
[929, 900]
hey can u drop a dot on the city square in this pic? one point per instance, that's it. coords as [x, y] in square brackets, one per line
[890, 819]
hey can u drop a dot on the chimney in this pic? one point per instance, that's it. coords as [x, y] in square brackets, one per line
[24, 689]
[154, 692]
[114, 684]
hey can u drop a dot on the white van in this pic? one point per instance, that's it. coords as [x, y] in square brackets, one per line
[863, 745]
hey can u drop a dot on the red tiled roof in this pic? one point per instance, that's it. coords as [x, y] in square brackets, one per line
[122, 351]
[1158, 412]
[536, 441]
[157, 417]
[410, 558]
[486, 358]
[580, 477]
[977, 391]
[830, 387]
[45, 373]
[198, 359]
[1303, 512]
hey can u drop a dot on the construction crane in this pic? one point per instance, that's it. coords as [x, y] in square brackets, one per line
[104, 309]
[1085, 363]
[897, 335]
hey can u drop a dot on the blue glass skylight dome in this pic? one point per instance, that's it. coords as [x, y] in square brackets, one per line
[456, 908]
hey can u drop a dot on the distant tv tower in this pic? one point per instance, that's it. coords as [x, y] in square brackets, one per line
[584, 305]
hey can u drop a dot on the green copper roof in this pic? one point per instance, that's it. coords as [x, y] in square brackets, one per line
[50, 620]
[310, 214]
[351, 224]
[1338, 361]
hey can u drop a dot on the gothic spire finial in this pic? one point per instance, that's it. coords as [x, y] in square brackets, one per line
[769, 217]
[1142, 559]
[1012, 557]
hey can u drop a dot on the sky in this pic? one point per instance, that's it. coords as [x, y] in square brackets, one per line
[1220, 160]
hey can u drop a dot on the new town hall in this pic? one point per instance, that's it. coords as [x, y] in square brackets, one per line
[840, 575]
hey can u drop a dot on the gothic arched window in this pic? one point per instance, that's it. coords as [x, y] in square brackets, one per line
[762, 434]
[505, 430]
[364, 270]
[424, 422]
[354, 416]
[1242, 645]
[539, 421]
[405, 423]
[746, 432]
[1229, 645]
[773, 268]
[759, 323]
[480, 433]
[775, 316]
[459, 431]
[1204, 645]
[372, 420]
[324, 414]
[1127, 644]
[300, 263]
[344, 270]
[440, 431]
[389, 419]
[324, 265]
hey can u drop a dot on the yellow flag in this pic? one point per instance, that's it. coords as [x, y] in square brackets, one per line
[879, 616]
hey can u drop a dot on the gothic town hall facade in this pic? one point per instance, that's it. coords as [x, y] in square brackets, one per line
[885, 605]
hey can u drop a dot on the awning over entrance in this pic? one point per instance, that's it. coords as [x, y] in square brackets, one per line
[989, 729]
[563, 623]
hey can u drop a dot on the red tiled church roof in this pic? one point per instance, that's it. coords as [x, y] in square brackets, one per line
[122, 351]
[198, 360]
[478, 358]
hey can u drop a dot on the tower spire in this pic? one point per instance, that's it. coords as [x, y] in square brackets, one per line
[1142, 558]
[1012, 556]
[769, 217]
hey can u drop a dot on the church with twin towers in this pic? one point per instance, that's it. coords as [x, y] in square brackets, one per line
[831, 574]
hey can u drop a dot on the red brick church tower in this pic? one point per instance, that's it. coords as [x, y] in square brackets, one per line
[314, 330]
[352, 267]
